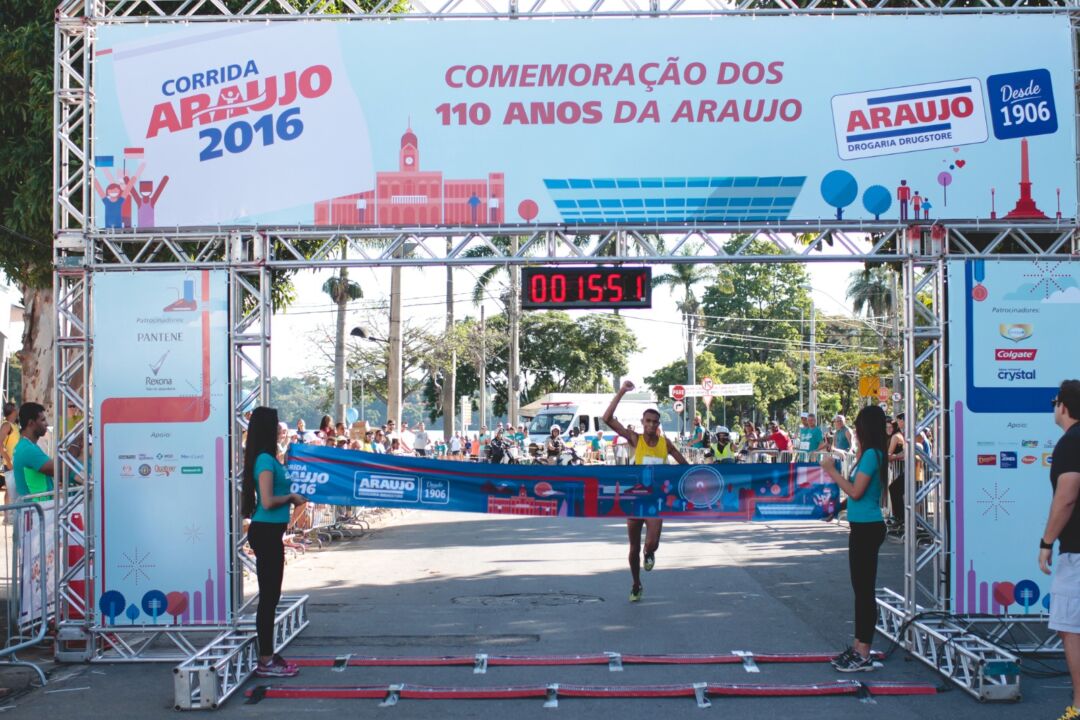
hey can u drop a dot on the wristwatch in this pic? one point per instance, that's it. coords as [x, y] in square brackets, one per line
[1043, 545]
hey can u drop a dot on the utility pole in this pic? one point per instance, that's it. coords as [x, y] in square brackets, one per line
[513, 386]
[483, 370]
[393, 371]
[802, 328]
[691, 368]
[342, 300]
[450, 381]
[813, 359]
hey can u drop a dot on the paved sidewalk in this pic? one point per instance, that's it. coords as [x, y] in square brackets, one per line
[425, 583]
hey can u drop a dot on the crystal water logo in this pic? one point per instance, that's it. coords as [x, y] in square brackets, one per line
[1015, 354]
[909, 118]
[402, 488]
[986, 459]
[1017, 332]
[1015, 374]
[1008, 460]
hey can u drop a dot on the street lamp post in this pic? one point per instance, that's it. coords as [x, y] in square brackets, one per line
[359, 332]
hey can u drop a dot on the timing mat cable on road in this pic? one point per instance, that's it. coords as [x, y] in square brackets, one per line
[615, 661]
[701, 692]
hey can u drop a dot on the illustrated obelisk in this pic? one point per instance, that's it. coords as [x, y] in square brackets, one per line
[1025, 207]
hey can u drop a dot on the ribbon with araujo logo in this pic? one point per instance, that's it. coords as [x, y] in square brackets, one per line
[728, 491]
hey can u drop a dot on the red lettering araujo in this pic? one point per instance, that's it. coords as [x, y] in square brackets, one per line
[910, 114]
[236, 100]
[1015, 354]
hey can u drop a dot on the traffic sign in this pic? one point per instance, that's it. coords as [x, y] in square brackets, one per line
[896, 397]
[883, 393]
[707, 384]
[722, 390]
[678, 406]
[706, 399]
[678, 392]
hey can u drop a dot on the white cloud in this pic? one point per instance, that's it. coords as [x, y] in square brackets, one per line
[1068, 295]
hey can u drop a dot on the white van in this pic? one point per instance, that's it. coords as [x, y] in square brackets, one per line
[584, 411]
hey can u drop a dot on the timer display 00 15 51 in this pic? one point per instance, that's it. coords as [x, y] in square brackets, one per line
[583, 288]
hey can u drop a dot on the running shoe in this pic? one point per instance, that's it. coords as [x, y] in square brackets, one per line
[650, 561]
[842, 658]
[278, 660]
[635, 593]
[856, 663]
[1071, 713]
[275, 669]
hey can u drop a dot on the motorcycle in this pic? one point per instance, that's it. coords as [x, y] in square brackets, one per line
[502, 453]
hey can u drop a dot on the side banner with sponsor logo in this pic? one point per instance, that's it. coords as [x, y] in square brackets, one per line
[161, 448]
[688, 492]
[1008, 352]
[575, 121]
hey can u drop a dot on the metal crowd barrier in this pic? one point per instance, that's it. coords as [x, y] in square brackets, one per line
[23, 539]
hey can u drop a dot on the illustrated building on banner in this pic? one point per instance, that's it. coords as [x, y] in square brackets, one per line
[411, 196]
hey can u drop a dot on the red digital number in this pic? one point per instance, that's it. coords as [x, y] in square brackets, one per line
[538, 288]
[558, 288]
[640, 286]
[614, 284]
[595, 288]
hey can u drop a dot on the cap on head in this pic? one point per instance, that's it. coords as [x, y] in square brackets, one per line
[722, 430]
[804, 415]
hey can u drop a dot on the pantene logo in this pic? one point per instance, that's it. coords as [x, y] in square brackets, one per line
[1015, 354]
[1016, 332]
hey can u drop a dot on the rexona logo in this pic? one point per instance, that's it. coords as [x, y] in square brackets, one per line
[1017, 332]
[1015, 354]
[987, 459]
[402, 488]
[1015, 374]
[909, 118]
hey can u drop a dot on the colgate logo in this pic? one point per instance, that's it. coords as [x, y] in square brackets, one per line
[1015, 354]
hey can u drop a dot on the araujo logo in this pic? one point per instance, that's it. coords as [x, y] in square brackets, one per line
[385, 486]
[305, 481]
[909, 118]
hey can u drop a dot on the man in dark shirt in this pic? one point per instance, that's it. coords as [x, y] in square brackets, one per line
[1063, 525]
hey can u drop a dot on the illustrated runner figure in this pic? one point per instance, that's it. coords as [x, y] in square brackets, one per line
[650, 448]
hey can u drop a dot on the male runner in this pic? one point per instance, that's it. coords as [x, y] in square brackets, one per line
[649, 448]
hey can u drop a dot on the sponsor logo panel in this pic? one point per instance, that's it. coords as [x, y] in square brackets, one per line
[1008, 460]
[386, 486]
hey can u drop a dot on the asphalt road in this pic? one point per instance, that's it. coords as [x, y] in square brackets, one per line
[426, 583]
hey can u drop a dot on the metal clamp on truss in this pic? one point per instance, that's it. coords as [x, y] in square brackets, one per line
[701, 694]
[980, 668]
[211, 675]
[551, 699]
[393, 694]
[614, 661]
[341, 663]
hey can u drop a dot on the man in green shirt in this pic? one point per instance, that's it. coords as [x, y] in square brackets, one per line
[33, 469]
[810, 436]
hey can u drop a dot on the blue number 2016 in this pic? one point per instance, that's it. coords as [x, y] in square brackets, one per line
[238, 135]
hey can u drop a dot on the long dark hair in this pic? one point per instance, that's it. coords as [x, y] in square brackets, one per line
[871, 434]
[261, 438]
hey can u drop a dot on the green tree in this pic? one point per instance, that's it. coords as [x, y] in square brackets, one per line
[759, 319]
[675, 374]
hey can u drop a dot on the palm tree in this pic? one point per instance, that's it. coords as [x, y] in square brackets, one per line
[686, 276]
[870, 290]
[342, 290]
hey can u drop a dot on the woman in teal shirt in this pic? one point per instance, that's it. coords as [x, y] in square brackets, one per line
[266, 499]
[865, 490]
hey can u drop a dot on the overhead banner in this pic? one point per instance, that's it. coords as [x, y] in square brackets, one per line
[681, 492]
[1007, 357]
[575, 121]
[161, 448]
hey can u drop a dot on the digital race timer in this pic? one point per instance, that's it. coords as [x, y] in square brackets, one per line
[553, 288]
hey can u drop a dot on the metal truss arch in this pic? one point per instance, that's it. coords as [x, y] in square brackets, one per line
[251, 255]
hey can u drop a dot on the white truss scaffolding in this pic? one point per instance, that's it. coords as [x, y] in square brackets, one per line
[252, 255]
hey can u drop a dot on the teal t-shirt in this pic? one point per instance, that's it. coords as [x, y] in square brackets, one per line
[264, 462]
[809, 439]
[868, 507]
[843, 439]
[27, 461]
